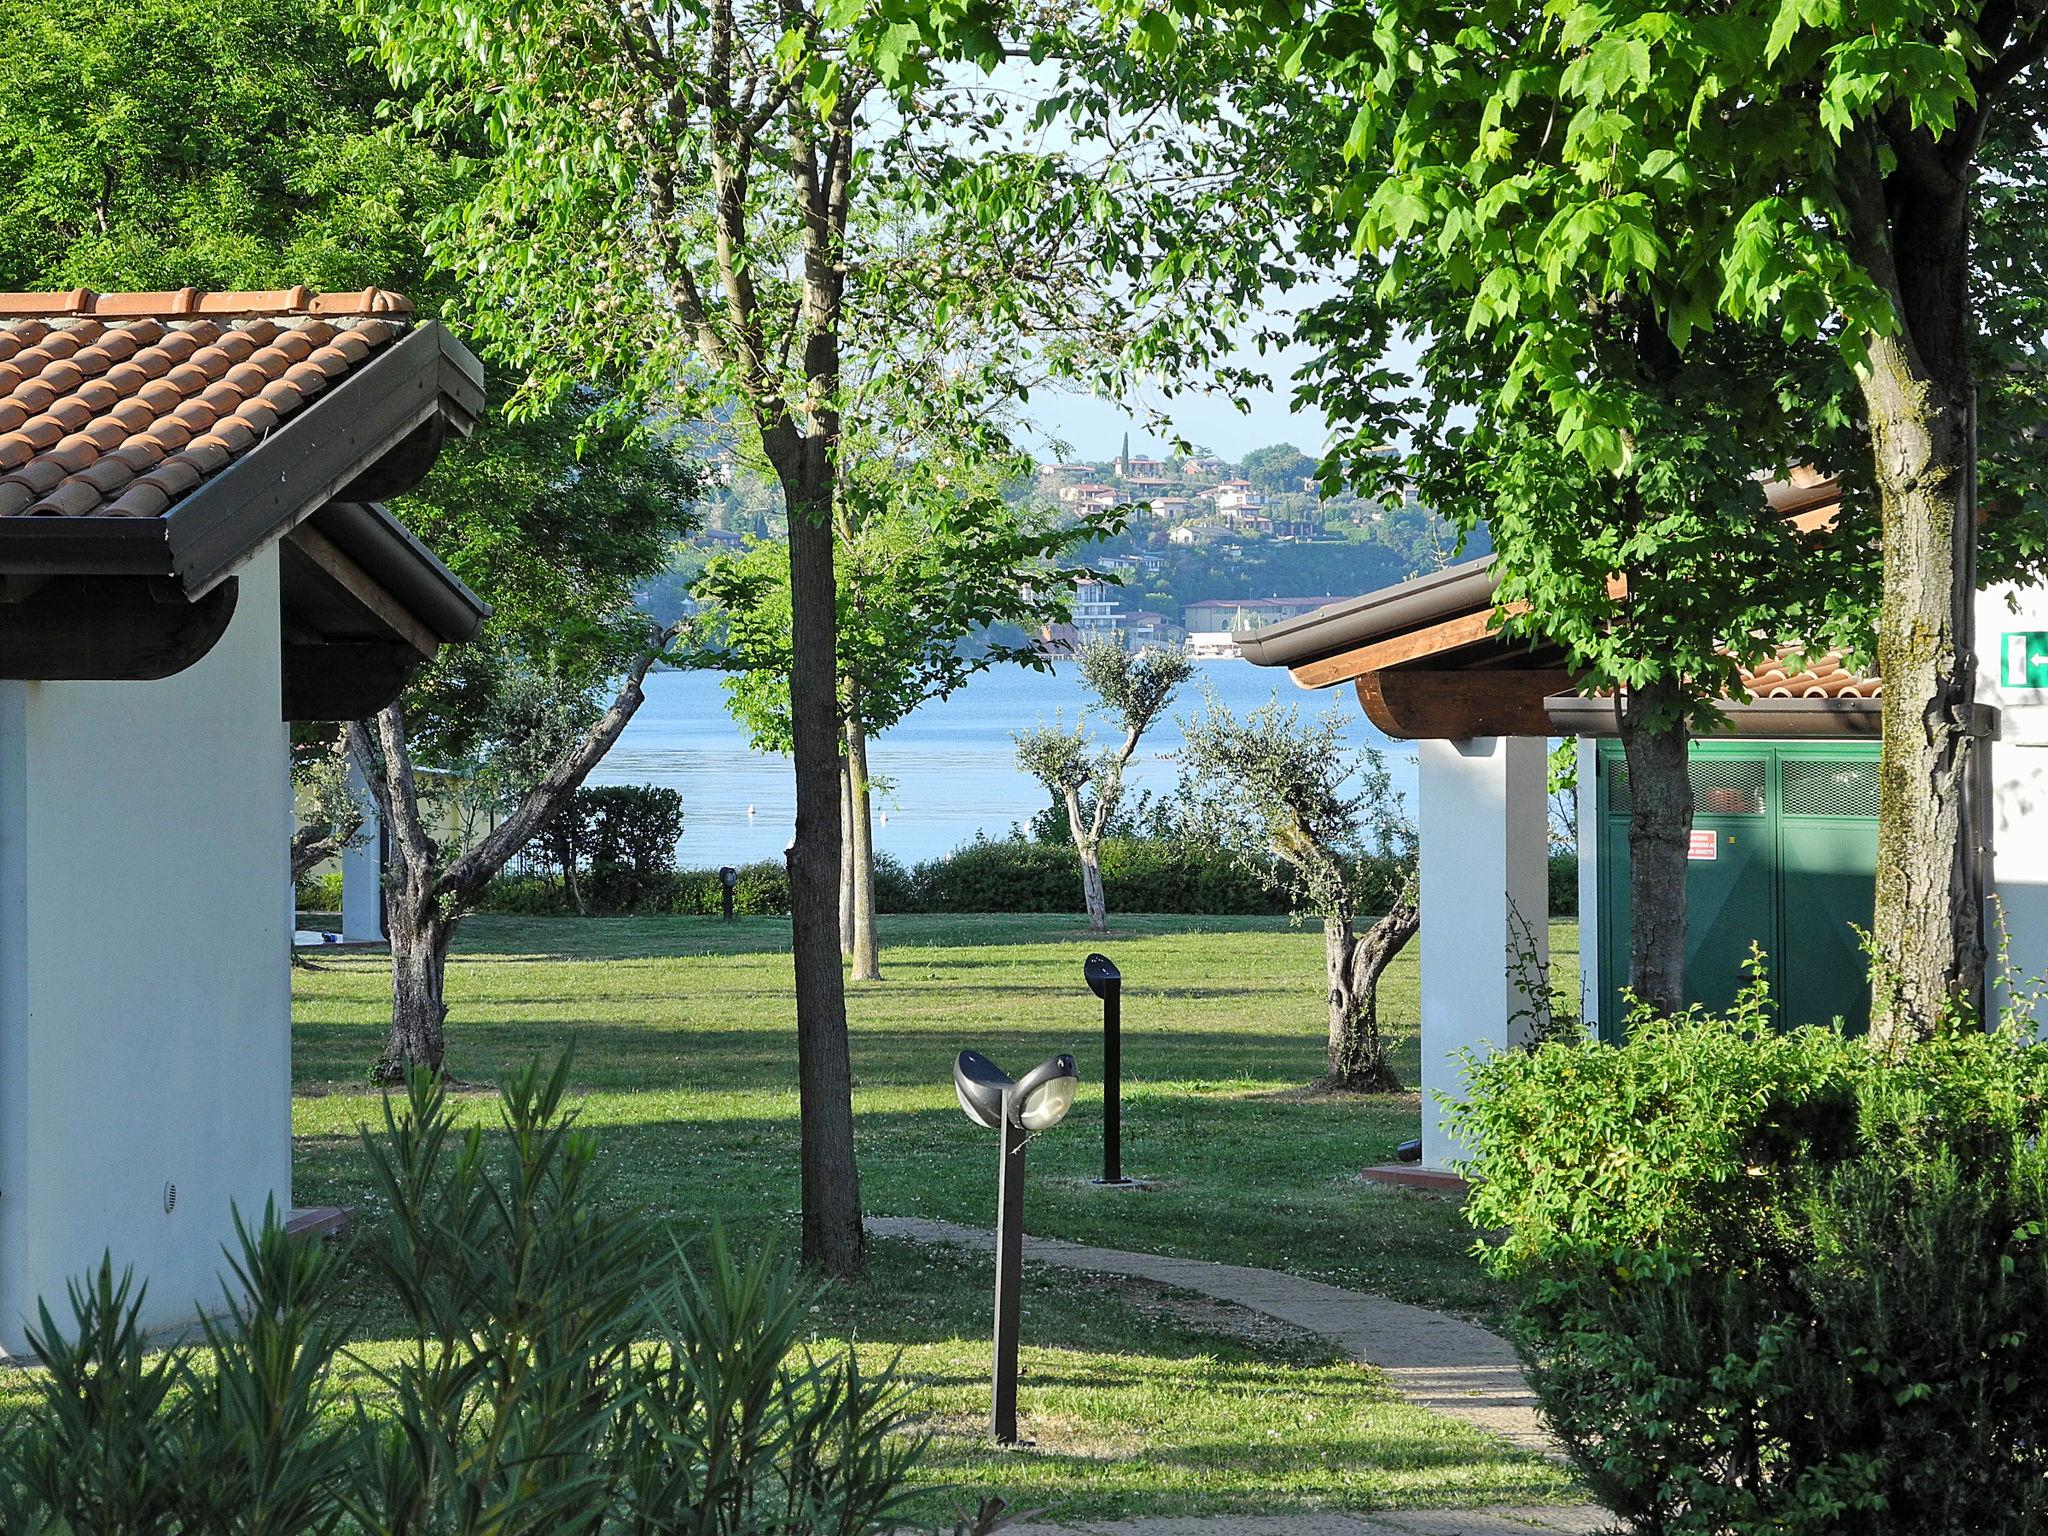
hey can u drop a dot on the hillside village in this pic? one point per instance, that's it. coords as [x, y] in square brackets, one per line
[1210, 543]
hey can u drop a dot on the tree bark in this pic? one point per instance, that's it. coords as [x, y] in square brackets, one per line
[419, 969]
[846, 859]
[1088, 846]
[1354, 964]
[866, 948]
[1654, 741]
[833, 1240]
[1910, 230]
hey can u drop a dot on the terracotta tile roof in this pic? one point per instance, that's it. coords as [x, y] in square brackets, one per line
[1796, 676]
[118, 405]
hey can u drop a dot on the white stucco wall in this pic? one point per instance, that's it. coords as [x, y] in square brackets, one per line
[2019, 773]
[1484, 816]
[145, 997]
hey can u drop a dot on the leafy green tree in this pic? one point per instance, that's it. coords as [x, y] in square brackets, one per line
[1304, 813]
[230, 144]
[1132, 690]
[1816, 172]
[728, 207]
[931, 556]
[1278, 470]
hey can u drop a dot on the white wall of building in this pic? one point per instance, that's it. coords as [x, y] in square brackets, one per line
[362, 868]
[1483, 812]
[145, 1000]
[2019, 772]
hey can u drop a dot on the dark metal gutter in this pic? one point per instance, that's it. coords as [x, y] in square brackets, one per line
[389, 554]
[1463, 588]
[1574, 715]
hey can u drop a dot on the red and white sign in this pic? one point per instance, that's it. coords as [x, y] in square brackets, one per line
[1705, 845]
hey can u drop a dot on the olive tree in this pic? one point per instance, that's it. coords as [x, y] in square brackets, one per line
[1132, 690]
[1312, 817]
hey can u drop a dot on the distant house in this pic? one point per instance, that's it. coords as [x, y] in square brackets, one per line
[1138, 467]
[1169, 506]
[1089, 495]
[197, 555]
[1211, 645]
[1203, 466]
[1056, 473]
[1237, 497]
[721, 538]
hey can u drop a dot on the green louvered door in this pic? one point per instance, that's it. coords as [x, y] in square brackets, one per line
[1784, 858]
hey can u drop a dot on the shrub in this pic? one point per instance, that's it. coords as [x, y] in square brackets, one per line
[1779, 1282]
[320, 893]
[619, 842]
[524, 1398]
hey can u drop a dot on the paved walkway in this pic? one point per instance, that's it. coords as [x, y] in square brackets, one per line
[1437, 1362]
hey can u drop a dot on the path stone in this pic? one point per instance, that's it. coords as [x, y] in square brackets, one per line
[1435, 1361]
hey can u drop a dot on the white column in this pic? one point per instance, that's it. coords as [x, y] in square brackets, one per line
[1484, 821]
[1589, 882]
[362, 869]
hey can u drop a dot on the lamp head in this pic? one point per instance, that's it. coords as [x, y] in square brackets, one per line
[981, 1084]
[728, 876]
[1038, 1101]
[1102, 974]
[1043, 1095]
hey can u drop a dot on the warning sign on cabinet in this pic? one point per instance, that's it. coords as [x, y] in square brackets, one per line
[1705, 845]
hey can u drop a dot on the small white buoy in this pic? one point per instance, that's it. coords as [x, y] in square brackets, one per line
[885, 818]
[750, 813]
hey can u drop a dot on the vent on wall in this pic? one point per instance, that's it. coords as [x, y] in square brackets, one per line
[1829, 787]
[1721, 786]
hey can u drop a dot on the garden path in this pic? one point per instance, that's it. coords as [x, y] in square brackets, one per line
[1435, 1361]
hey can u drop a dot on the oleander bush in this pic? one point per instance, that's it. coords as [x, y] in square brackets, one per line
[1779, 1281]
[567, 1370]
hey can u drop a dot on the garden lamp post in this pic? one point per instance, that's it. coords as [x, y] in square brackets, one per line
[1107, 983]
[728, 877]
[1037, 1101]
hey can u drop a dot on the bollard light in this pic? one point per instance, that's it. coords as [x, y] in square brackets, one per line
[1016, 1108]
[728, 877]
[1107, 983]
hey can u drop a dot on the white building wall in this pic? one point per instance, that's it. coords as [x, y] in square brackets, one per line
[145, 1000]
[1589, 882]
[2019, 772]
[362, 868]
[1484, 816]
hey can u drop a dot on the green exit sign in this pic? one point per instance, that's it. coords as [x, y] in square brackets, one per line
[2026, 660]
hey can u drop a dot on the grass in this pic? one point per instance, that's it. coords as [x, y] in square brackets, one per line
[1139, 1400]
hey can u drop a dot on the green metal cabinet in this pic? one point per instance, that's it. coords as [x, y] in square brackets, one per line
[1784, 858]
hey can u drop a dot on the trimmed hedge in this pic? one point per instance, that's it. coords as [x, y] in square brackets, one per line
[1003, 875]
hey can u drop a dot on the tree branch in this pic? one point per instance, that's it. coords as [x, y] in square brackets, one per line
[468, 874]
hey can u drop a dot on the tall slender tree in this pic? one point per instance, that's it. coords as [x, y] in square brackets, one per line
[718, 204]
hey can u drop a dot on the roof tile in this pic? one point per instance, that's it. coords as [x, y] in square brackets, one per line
[120, 404]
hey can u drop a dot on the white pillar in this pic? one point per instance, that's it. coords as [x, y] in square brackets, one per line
[1589, 882]
[362, 869]
[1484, 814]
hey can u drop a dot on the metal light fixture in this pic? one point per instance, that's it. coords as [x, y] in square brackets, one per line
[1016, 1108]
[1107, 983]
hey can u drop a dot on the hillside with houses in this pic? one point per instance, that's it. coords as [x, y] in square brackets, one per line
[1208, 543]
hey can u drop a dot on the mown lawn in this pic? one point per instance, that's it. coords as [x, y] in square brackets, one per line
[1139, 1400]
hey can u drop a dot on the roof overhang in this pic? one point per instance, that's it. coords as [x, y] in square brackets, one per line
[1429, 661]
[364, 604]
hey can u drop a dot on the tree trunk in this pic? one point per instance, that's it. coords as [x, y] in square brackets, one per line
[1653, 738]
[867, 949]
[1928, 925]
[1091, 888]
[832, 1236]
[846, 859]
[1353, 964]
[419, 967]
[1909, 227]
[1088, 845]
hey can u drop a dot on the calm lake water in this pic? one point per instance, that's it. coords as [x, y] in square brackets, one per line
[951, 766]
